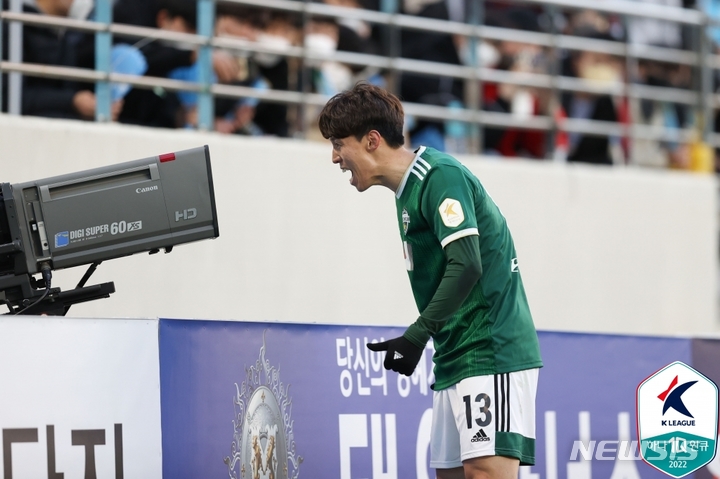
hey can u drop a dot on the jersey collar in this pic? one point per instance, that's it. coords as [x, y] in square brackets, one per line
[400, 189]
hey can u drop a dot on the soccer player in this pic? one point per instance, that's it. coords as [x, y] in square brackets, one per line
[465, 279]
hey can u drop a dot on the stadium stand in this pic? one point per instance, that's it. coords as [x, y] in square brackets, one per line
[629, 83]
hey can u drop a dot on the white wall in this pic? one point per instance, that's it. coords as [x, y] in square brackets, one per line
[601, 249]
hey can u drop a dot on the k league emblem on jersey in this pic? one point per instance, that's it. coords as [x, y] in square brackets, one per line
[451, 212]
[405, 220]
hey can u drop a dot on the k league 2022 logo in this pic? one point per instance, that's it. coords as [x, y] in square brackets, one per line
[677, 418]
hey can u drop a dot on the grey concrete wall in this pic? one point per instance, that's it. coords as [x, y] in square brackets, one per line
[600, 249]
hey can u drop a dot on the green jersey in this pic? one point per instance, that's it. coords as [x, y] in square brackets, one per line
[439, 201]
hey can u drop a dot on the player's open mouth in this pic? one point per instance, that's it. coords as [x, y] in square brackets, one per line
[345, 170]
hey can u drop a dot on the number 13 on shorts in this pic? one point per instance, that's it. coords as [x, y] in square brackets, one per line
[481, 406]
[485, 407]
[491, 415]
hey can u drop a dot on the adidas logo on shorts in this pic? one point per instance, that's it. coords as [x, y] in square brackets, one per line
[480, 436]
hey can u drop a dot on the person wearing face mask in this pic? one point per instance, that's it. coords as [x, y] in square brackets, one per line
[321, 40]
[354, 35]
[279, 31]
[49, 97]
[232, 115]
[519, 101]
[159, 107]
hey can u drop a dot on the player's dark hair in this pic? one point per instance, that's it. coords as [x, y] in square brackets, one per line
[363, 108]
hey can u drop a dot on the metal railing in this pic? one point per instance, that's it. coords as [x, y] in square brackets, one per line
[700, 99]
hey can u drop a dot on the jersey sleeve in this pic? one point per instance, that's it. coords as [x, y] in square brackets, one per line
[462, 272]
[448, 204]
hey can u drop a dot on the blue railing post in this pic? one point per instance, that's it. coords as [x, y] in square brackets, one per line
[205, 27]
[706, 79]
[103, 45]
[15, 49]
[1, 70]
[389, 6]
[391, 42]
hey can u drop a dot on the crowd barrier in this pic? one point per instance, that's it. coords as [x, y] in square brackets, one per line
[698, 95]
[100, 398]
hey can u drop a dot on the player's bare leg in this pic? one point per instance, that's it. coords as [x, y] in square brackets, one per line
[454, 473]
[488, 467]
[491, 467]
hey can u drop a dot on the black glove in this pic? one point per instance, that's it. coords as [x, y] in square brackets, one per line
[402, 356]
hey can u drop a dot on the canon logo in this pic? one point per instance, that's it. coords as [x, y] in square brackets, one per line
[146, 189]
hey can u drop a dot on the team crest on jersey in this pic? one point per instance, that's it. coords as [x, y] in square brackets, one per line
[451, 212]
[405, 220]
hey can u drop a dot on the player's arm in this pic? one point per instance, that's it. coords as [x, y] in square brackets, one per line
[447, 204]
[462, 272]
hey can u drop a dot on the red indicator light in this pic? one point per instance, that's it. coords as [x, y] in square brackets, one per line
[167, 157]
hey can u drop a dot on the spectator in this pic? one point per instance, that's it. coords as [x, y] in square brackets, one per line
[325, 35]
[712, 9]
[279, 31]
[50, 97]
[159, 107]
[354, 35]
[321, 38]
[521, 102]
[660, 113]
[595, 67]
[173, 15]
[231, 115]
[427, 88]
[648, 31]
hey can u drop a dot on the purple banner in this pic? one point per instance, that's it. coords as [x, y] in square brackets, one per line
[706, 360]
[260, 400]
[587, 393]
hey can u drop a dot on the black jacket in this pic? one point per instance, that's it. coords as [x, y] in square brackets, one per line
[47, 97]
[592, 148]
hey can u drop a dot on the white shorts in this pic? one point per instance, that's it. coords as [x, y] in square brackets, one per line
[485, 416]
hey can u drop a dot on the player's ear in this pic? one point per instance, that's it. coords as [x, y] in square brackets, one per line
[373, 139]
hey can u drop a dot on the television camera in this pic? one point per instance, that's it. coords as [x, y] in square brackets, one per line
[87, 217]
